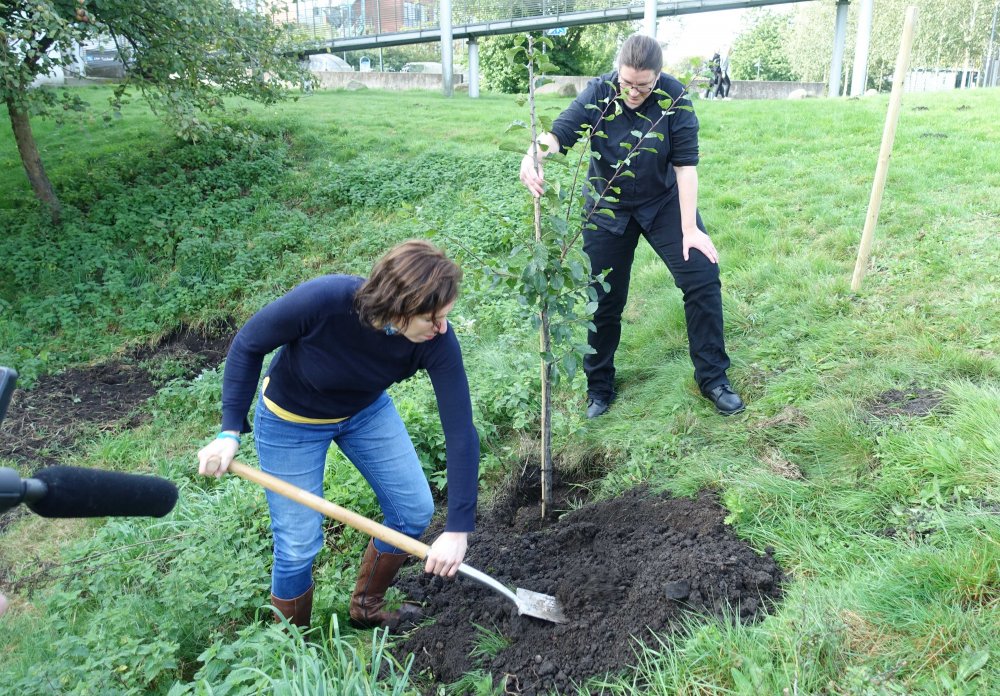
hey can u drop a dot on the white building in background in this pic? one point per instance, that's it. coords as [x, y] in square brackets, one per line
[327, 62]
[931, 80]
[56, 76]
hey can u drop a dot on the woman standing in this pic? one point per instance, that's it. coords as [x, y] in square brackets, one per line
[342, 341]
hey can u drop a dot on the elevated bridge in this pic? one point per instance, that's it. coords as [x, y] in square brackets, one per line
[332, 26]
[369, 24]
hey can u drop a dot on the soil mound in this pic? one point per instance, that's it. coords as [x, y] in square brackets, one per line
[622, 569]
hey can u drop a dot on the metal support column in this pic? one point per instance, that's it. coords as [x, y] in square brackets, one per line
[988, 76]
[649, 18]
[839, 40]
[859, 77]
[473, 67]
[447, 71]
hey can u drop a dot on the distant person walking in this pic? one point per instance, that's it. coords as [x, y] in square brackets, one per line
[724, 82]
[660, 203]
[342, 341]
[715, 76]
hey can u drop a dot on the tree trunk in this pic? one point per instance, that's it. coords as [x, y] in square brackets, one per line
[32, 161]
[547, 472]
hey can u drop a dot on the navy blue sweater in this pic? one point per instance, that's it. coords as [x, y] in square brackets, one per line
[330, 365]
[654, 181]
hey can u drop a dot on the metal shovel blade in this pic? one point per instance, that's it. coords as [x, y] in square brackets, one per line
[541, 606]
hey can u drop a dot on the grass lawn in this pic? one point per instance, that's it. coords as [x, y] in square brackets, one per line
[868, 457]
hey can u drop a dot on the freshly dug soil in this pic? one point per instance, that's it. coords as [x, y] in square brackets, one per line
[622, 569]
[914, 401]
[43, 422]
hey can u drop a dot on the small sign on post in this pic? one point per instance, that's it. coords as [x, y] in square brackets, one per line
[558, 31]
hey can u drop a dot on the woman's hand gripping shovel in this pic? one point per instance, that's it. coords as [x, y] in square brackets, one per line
[541, 606]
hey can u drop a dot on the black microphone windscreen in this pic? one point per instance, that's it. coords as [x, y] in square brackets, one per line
[78, 492]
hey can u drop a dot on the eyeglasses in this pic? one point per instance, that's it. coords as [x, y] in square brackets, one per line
[638, 89]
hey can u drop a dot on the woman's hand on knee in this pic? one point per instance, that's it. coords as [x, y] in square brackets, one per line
[447, 553]
[215, 457]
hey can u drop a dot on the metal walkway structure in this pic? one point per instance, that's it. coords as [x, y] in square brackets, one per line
[359, 27]
[329, 26]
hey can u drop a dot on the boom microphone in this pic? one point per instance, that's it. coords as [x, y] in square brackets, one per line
[69, 491]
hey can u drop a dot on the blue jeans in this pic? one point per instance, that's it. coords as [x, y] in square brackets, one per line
[376, 442]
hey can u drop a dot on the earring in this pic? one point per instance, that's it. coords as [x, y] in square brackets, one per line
[391, 330]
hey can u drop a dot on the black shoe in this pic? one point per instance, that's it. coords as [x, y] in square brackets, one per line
[597, 407]
[726, 401]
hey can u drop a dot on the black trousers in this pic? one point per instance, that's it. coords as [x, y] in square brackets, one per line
[698, 279]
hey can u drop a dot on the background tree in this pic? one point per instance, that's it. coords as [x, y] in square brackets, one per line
[588, 50]
[183, 56]
[948, 31]
[759, 53]
[36, 39]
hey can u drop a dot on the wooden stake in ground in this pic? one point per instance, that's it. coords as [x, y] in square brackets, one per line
[888, 136]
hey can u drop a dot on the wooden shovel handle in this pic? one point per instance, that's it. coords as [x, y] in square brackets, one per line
[325, 507]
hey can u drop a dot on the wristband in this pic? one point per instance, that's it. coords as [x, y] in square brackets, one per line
[231, 436]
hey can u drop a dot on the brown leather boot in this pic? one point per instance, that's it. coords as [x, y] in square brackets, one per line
[298, 611]
[377, 572]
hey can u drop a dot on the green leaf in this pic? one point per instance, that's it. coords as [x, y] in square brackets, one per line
[569, 364]
[972, 663]
[740, 681]
[507, 147]
[513, 53]
[605, 211]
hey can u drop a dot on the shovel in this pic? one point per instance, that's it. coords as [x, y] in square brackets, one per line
[541, 606]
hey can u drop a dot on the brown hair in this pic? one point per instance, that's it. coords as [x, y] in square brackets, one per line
[413, 278]
[641, 52]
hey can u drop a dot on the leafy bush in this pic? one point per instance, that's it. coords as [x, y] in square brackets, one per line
[137, 602]
[145, 251]
[271, 661]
